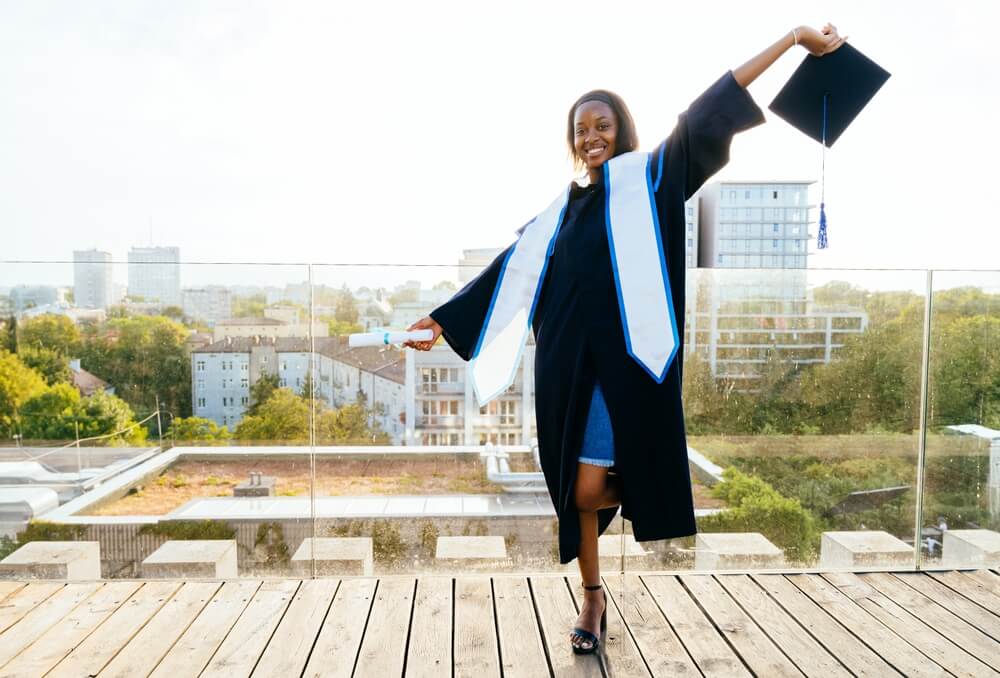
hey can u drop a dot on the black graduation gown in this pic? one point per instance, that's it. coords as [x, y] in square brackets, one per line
[579, 337]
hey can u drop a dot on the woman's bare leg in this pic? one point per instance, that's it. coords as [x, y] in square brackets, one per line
[594, 490]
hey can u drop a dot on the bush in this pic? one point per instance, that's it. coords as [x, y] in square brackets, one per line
[190, 529]
[755, 506]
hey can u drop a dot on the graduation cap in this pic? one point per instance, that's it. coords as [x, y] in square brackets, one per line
[823, 97]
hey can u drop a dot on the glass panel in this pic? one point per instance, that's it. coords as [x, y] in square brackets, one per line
[961, 503]
[801, 400]
[149, 414]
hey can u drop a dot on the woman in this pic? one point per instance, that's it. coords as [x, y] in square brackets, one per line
[597, 409]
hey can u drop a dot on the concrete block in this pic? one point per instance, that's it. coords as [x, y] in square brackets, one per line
[863, 548]
[471, 552]
[192, 558]
[334, 556]
[257, 486]
[71, 560]
[971, 548]
[609, 549]
[735, 551]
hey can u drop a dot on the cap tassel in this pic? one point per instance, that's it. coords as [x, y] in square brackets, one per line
[821, 241]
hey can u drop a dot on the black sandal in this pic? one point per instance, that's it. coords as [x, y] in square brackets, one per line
[587, 636]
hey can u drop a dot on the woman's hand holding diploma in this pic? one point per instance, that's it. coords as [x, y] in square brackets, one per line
[426, 323]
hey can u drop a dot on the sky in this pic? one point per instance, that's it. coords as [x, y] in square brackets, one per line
[401, 133]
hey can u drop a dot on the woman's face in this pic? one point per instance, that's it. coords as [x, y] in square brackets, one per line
[596, 129]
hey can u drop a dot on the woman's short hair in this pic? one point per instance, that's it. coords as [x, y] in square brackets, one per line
[627, 138]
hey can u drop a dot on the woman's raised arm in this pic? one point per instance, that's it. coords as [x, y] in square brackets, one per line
[816, 42]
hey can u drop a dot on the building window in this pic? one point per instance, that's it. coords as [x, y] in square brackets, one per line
[244, 367]
[282, 382]
[690, 242]
[200, 366]
[284, 365]
[298, 381]
[201, 402]
[244, 383]
[775, 228]
[245, 400]
[732, 196]
[746, 195]
[774, 195]
[201, 384]
[774, 244]
[720, 258]
[263, 359]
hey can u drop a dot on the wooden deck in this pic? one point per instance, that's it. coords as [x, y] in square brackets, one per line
[826, 624]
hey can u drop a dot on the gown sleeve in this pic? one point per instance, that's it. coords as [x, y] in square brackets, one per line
[461, 317]
[698, 147]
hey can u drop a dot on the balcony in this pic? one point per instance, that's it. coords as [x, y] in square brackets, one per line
[835, 519]
[443, 388]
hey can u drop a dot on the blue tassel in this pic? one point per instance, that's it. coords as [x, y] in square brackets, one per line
[821, 242]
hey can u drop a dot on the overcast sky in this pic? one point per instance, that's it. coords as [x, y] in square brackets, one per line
[403, 132]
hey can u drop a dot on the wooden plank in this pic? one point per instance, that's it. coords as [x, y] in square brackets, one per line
[809, 656]
[521, 649]
[969, 588]
[710, 651]
[42, 618]
[918, 634]
[949, 625]
[50, 648]
[984, 620]
[241, 649]
[656, 642]
[383, 648]
[841, 643]
[24, 601]
[149, 646]
[619, 653]
[476, 651]
[758, 652]
[192, 652]
[429, 651]
[337, 645]
[985, 578]
[100, 647]
[891, 647]
[8, 588]
[556, 614]
[287, 652]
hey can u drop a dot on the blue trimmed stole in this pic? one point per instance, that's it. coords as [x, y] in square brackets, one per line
[640, 273]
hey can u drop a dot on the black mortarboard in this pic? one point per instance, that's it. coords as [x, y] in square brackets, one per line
[823, 97]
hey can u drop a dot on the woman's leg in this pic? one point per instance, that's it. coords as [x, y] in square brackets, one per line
[594, 490]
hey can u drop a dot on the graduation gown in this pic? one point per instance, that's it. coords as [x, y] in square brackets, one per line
[579, 339]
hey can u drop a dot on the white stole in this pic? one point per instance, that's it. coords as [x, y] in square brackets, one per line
[640, 273]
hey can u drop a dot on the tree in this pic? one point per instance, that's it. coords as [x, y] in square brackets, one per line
[18, 383]
[59, 412]
[52, 365]
[174, 313]
[197, 429]
[346, 310]
[339, 327]
[349, 424]
[54, 332]
[144, 357]
[446, 285]
[261, 391]
[309, 390]
[249, 307]
[9, 339]
[284, 416]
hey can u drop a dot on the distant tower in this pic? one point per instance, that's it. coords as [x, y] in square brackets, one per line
[154, 274]
[92, 286]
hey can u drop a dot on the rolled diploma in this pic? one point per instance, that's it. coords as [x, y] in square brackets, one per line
[384, 338]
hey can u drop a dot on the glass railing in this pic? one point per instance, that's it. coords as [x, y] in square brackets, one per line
[213, 421]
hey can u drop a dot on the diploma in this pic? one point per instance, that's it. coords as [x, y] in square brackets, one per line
[386, 338]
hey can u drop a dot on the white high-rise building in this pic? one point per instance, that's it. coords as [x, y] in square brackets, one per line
[92, 286]
[154, 273]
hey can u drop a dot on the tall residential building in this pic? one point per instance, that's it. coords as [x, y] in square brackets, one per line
[154, 273]
[92, 285]
[762, 224]
[692, 235]
[209, 304]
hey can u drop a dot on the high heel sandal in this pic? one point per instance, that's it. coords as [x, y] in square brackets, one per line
[586, 635]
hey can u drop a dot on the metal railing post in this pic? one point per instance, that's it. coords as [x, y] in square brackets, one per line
[922, 434]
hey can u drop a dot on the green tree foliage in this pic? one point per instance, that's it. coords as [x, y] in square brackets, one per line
[261, 391]
[346, 310]
[18, 384]
[249, 307]
[284, 416]
[54, 332]
[59, 412]
[53, 366]
[965, 372]
[174, 313]
[143, 357]
[349, 424]
[9, 339]
[197, 429]
[339, 328]
[755, 506]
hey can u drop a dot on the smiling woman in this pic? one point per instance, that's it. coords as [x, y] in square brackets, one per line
[600, 276]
